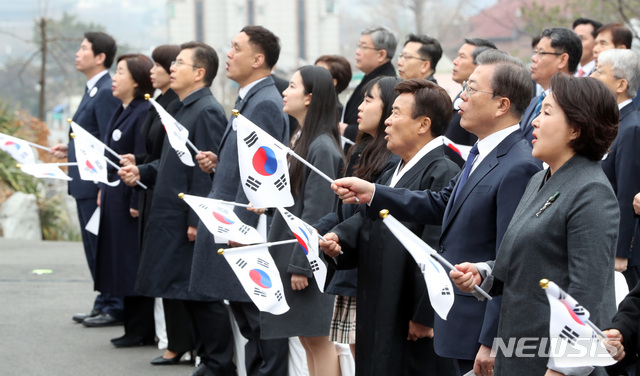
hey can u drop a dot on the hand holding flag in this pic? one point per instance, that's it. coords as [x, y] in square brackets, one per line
[307, 237]
[221, 221]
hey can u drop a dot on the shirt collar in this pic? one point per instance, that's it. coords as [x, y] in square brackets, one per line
[245, 90]
[487, 144]
[620, 105]
[402, 168]
[94, 80]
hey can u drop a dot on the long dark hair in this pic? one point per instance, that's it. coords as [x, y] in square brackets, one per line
[375, 154]
[320, 118]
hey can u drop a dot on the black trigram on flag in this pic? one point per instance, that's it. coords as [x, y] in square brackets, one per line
[262, 263]
[422, 267]
[258, 292]
[179, 152]
[568, 334]
[281, 182]
[445, 291]
[251, 139]
[244, 229]
[579, 310]
[222, 230]
[278, 295]
[241, 263]
[290, 216]
[314, 265]
[252, 183]
[203, 206]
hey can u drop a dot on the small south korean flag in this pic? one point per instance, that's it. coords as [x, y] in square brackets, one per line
[259, 277]
[263, 166]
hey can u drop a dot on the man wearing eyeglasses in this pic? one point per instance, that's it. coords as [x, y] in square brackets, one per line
[477, 205]
[168, 245]
[419, 57]
[376, 48]
[559, 50]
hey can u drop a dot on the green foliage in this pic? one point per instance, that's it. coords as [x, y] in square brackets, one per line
[53, 216]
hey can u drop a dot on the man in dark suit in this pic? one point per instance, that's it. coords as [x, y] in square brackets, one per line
[463, 66]
[391, 289]
[254, 52]
[477, 205]
[586, 30]
[165, 267]
[419, 57]
[559, 50]
[619, 69]
[94, 58]
[376, 49]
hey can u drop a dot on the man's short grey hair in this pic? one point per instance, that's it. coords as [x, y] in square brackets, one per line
[383, 39]
[511, 79]
[624, 64]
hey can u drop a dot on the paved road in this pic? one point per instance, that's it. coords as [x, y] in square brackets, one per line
[37, 335]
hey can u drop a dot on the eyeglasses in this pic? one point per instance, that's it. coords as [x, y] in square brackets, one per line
[540, 53]
[468, 89]
[407, 57]
[179, 63]
[362, 47]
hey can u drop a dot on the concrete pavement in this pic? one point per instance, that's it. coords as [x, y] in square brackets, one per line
[37, 335]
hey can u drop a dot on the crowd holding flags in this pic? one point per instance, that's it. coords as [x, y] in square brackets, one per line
[574, 341]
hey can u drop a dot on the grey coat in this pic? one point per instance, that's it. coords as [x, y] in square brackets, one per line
[311, 311]
[211, 274]
[572, 243]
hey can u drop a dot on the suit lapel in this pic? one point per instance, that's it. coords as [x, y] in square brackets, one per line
[487, 165]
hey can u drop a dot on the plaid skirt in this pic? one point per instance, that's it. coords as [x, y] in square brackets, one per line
[343, 323]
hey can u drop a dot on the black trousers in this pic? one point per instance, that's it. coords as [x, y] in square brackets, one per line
[212, 334]
[262, 357]
[138, 317]
[177, 320]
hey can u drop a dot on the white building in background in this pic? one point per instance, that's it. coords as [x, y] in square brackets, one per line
[306, 28]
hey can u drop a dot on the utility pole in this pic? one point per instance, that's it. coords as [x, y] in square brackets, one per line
[43, 67]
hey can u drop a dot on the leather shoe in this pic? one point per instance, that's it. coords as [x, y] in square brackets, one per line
[201, 370]
[80, 317]
[103, 319]
[162, 361]
[131, 341]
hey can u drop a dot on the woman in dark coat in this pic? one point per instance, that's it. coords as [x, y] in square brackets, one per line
[310, 98]
[118, 247]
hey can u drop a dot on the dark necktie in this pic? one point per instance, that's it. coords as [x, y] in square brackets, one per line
[473, 153]
[238, 100]
[538, 108]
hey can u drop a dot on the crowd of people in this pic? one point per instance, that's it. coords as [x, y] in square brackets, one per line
[547, 191]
